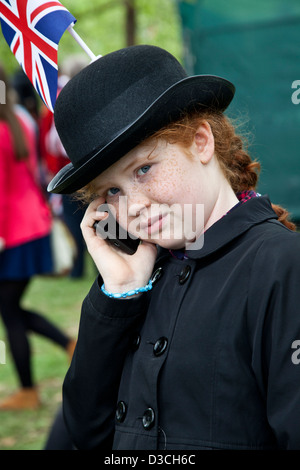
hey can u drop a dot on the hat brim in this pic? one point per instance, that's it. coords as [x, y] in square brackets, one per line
[196, 92]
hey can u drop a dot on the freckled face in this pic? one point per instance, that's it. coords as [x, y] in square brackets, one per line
[158, 180]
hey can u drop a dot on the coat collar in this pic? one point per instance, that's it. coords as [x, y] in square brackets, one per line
[229, 227]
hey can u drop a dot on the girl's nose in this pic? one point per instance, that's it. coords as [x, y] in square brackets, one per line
[134, 210]
[137, 202]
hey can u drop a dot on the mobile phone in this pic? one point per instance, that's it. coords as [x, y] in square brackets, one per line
[113, 233]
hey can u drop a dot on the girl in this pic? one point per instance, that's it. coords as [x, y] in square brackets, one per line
[25, 224]
[191, 342]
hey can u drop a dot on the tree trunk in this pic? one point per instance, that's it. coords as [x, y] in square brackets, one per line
[130, 22]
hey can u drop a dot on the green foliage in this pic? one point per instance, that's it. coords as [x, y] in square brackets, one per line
[102, 25]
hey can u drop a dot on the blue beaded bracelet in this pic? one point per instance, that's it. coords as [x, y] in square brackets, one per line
[122, 295]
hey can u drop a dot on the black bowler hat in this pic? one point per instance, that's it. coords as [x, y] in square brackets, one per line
[119, 100]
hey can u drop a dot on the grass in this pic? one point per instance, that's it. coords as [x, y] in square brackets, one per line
[58, 299]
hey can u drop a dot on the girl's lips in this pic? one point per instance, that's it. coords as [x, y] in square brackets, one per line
[154, 224]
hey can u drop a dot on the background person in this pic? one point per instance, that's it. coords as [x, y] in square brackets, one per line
[25, 225]
[54, 157]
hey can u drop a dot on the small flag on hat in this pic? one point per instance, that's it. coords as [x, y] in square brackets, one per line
[33, 29]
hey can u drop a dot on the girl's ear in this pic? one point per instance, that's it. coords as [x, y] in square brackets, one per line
[204, 142]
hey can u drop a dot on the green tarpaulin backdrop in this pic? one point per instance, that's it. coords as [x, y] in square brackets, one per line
[256, 45]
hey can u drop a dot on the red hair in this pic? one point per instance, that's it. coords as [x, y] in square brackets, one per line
[238, 167]
[231, 150]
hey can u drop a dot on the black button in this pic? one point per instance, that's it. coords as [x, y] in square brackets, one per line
[121, 411]
[160, 346]
[136, 342]
[156, 275]
[184, 274]
[148, 418]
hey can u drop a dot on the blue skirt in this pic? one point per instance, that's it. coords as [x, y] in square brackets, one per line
[26, 260]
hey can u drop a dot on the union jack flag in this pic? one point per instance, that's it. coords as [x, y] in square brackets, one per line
[33, 29]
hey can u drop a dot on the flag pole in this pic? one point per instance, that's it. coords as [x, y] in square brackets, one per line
[82, 43]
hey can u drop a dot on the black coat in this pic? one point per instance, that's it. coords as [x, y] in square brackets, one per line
[210, 358]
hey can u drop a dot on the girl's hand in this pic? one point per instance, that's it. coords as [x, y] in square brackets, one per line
[120, 272]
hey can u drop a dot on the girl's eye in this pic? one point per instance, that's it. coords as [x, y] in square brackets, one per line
[143, 170]
[112, 191]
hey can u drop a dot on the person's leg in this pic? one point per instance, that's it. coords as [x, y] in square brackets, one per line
[40, 325]
[18, 322]
[10, 296]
